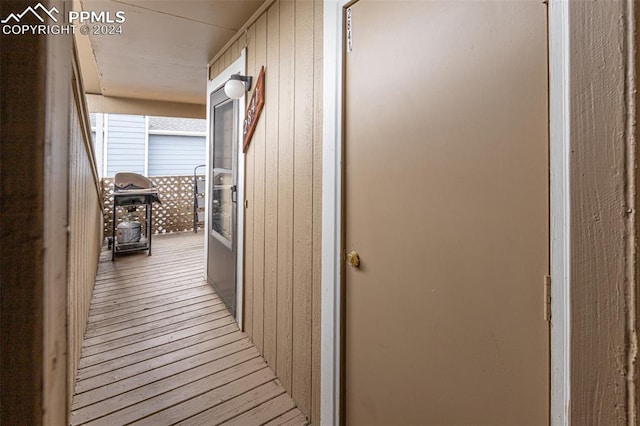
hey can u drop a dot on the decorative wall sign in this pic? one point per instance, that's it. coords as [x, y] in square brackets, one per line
[253, 111]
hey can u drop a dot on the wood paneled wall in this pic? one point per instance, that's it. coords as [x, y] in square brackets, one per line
[85, 224]
[283, 191]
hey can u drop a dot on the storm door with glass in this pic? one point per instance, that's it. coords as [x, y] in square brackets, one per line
[222, 232]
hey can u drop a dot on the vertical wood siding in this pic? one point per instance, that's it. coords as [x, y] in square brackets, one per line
[85, 225]
[283, 191]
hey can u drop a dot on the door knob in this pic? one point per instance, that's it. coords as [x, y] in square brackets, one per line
[353, 259]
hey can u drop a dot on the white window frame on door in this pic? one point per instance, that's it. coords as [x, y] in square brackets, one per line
[330, 355]
[238, 66]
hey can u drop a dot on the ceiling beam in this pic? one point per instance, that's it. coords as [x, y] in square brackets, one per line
[115, 105]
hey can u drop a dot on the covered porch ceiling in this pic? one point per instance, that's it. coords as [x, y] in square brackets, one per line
[162, 54]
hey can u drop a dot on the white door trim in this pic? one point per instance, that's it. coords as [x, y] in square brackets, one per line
[238, 66]
[330, 352]
[330, 355]
[559, 158]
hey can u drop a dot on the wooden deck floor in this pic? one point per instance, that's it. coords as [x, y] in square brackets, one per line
[161, 349]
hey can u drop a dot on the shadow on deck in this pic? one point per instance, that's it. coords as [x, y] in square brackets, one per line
[161, 348]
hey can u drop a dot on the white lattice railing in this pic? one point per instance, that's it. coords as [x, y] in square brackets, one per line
[175, 214]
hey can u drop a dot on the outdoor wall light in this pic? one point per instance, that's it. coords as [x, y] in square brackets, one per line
[237, 85]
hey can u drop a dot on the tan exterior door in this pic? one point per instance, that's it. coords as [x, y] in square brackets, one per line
[446, 202]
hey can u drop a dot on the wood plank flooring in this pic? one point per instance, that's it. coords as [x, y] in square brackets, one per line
[161, 348]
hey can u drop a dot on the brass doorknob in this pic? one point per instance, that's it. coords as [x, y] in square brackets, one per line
[353, 259]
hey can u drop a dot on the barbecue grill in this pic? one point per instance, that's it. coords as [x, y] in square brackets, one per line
[132, 191]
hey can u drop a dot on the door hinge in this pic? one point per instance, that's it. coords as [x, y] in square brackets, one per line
[547, 298]
[348, 27]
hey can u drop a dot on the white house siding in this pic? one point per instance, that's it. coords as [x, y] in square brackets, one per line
[126, 144]
[175, 155]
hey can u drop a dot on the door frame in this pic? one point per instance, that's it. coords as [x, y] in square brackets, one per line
[238, 66]
[331, 310]
[560, 220]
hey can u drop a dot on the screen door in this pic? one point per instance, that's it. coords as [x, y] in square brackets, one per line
[222, 232]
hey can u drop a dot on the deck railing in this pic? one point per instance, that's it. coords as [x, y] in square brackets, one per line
[174, 214]
[85, 225]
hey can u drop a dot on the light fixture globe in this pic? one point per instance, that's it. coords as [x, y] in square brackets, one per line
[234, 88]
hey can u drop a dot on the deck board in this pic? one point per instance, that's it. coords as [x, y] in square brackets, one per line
[159, 284]
[98, 323]
[155, 351]
[140, 320]
[160, 348]
[214, 349]
[224, 402]
[113, 313]
[211, 312]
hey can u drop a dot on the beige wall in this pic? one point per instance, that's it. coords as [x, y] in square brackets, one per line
[283, 190]
[85, 225]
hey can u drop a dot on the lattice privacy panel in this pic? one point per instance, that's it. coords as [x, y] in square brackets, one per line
[175, 214]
